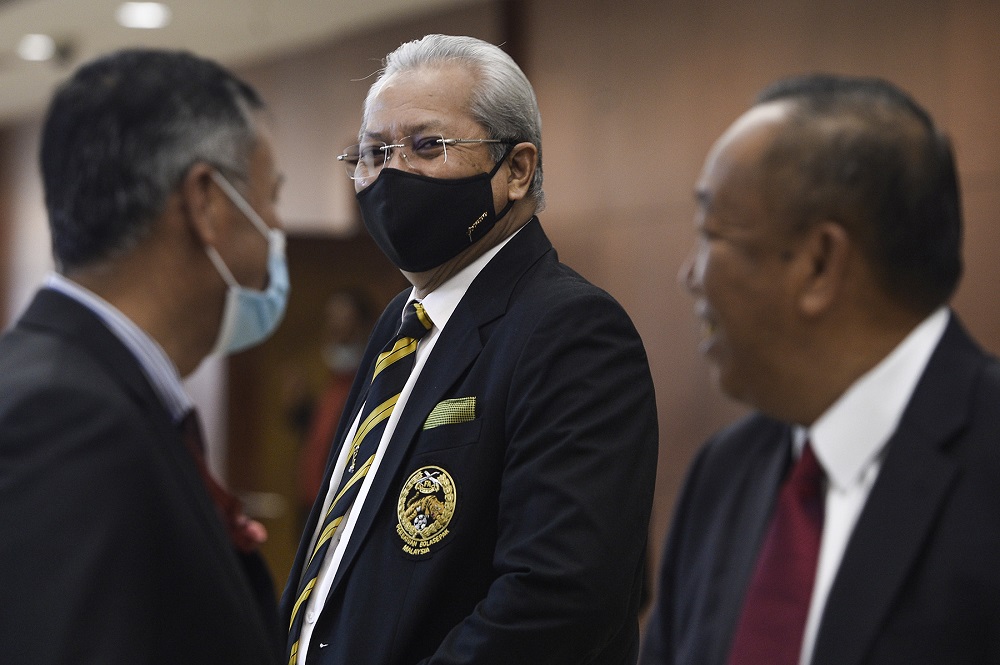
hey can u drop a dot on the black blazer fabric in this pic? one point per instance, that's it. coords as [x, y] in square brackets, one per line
[543, 489]
[919, 582]
[111, 550]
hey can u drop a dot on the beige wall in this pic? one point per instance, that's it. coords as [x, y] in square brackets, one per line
[633, 93]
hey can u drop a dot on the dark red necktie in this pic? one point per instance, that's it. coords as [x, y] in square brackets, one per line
[241, 529]
[773, 621]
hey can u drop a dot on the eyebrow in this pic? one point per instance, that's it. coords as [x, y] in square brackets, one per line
[410, 131]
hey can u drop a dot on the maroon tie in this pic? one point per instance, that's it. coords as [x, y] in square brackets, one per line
[774, 614]
[246, 534]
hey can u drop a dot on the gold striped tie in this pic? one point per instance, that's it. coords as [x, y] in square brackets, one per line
[389, 375]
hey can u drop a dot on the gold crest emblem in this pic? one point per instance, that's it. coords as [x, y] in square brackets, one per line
[425, 508]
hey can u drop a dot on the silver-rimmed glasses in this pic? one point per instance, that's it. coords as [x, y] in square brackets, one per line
[364, 161]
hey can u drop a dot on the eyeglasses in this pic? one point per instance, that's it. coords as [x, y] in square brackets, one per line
[363, 162]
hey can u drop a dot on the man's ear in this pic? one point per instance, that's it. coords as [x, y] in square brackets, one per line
[523, 160]
[199, 202]
[822, 255]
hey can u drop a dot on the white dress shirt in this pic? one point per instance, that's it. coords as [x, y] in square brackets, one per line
[440, 304]
[849, 441]
[155, 364]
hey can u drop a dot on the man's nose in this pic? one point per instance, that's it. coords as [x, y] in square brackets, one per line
[686, 274]
[403, 162]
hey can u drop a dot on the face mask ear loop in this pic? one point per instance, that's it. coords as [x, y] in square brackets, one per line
[496, 168]
[237, 199]
[503, 159]
[221, 267]
[504, 211]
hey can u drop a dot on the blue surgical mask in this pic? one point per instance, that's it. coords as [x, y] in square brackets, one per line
[250, 315]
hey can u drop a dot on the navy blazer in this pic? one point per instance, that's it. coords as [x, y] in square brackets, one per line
[920, 578]
[547, 484]
[111, 550]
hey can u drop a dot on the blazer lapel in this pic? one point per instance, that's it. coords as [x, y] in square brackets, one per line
[429, 389]
[457, 348]
[915, 478]
[751, 515]
[63, 316]
[385, 328]
[53, 311]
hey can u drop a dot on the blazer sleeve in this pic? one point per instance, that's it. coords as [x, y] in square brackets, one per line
[575, 498]
[92, 616]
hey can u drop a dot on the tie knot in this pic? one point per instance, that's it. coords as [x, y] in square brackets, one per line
[416, 322]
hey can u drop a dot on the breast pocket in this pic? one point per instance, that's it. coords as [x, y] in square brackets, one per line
[446, 437]
[450, 424]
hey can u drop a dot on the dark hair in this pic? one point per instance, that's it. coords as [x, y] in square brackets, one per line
[121, 133]
[862, 152]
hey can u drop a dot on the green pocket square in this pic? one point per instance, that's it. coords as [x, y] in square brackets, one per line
[451, 412]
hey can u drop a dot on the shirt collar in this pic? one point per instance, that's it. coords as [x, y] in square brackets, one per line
[851, 434]
[441, 303]
[156, 365]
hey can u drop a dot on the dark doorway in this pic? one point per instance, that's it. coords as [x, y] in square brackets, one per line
[273, 388]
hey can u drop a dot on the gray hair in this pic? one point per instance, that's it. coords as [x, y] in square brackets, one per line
[120, 135]
[502, 101]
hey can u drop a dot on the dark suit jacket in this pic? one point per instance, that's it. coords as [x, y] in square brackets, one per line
[553, 480]
[111, 550]
[920, 578]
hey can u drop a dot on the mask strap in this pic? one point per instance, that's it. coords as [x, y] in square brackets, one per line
[240, 202]
[221, 267]
[504, 211]
[496, 168]
[506, 154]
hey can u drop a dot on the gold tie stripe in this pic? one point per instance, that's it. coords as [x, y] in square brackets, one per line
[391, 371]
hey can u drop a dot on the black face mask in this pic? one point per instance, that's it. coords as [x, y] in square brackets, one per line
[421, 222]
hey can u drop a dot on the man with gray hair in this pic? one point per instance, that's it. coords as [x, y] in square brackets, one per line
[118, 546]
[489, 489]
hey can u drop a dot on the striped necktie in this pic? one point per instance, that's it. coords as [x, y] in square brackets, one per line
[388, 378]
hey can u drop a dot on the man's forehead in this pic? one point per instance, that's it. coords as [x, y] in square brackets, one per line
[735, 158]
[750, 133]
[768, 113]
[431, 98]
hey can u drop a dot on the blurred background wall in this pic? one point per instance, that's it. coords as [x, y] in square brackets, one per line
[632, 93]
